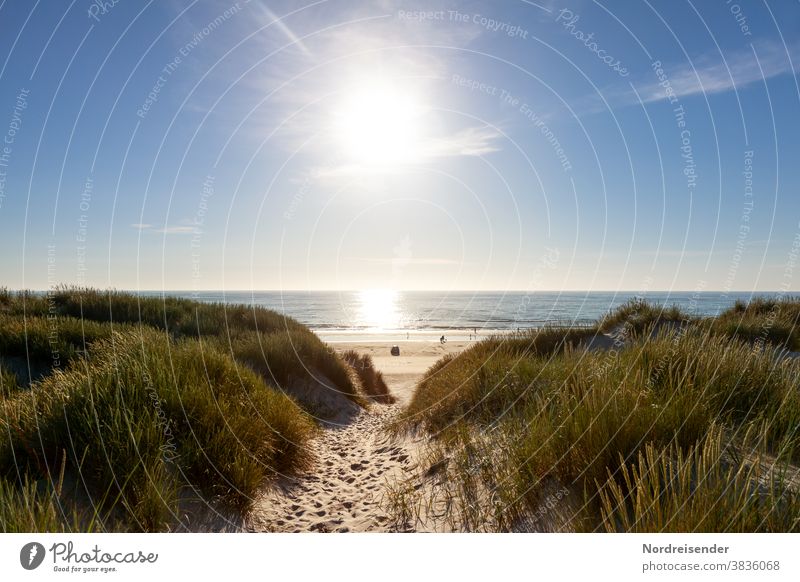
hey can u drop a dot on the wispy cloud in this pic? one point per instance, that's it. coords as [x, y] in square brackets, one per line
[268, 18]
[470, 141]
[708, 73]
[175, 229]
[407, 261]
[715, 73]
[679, 253]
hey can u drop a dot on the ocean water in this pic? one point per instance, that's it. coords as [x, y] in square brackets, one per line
[401, 312]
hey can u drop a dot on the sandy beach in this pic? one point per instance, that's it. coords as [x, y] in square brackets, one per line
[404, 371]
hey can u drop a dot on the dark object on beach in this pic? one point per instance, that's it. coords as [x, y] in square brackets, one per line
[395, 350]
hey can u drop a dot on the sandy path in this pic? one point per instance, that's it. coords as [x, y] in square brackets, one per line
[345, 489]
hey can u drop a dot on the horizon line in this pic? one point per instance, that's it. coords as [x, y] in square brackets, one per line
[620, 291]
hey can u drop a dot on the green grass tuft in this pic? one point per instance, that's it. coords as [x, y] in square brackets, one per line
[637, 315]
[372, 382]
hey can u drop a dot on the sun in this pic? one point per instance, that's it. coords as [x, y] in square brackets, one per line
[378, 123]
[378, 309]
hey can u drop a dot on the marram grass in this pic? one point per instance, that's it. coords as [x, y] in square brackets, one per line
[140, 404]
[627, 430]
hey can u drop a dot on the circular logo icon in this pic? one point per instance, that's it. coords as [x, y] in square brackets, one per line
[31, 555]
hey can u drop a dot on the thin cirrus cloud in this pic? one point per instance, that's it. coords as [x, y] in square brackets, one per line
[724, 72]
[271, 19]
[470, 141]
[407, 261]
[711, 73]
[175, 229]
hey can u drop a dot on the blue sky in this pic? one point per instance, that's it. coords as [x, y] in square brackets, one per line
[409, 145]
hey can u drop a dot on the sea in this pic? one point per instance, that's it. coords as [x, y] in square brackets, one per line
[414, 314]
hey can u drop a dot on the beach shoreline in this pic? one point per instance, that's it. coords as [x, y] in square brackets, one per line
[383, 337]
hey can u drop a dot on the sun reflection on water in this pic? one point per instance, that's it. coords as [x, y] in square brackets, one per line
[378, 309]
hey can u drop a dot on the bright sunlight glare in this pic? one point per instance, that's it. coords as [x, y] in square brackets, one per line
[378, 124]
[378, 309]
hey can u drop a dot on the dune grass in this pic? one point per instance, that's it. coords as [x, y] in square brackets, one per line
[63, 324]
[762, 321]
[638, 315]
[178, 316]
[699, 489]
[483, 381]
[520, 418]
[8, 381]
[282, 358]
[148, 402]
[27, 508]
[372, 382]
[53, 340]
[149, 417]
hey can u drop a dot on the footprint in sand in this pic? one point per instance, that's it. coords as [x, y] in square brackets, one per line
[343, 493]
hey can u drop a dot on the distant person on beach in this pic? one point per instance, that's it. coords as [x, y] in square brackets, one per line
[442, 340]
